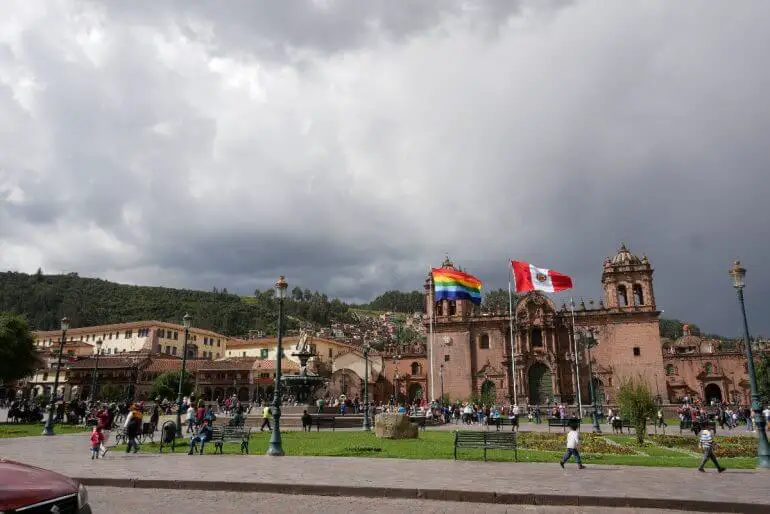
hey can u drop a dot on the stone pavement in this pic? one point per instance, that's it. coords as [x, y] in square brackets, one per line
[491, 482]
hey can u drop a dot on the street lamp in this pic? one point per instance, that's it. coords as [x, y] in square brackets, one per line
[187, 320]
[441, 381]
[275, 449]
[96, 370]
[367, 422]
[589, 343]
[738, 274]
[396, 359]
[48, 428]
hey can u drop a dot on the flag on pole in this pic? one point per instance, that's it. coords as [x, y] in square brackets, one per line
[529, 278]
[450, 284]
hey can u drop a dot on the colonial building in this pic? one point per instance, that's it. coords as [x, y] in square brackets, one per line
[472, 349]
[708, 369]
[142, 336]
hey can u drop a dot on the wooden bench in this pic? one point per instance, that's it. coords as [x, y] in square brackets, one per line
[230, 434]
[487, 441]
[562, 422]
[325, 420]
[501, 422]
[619, 424]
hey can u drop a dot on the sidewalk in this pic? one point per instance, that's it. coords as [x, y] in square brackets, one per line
[492, 482]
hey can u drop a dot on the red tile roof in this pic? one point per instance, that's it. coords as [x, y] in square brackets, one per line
[265, 365]
[120, 327]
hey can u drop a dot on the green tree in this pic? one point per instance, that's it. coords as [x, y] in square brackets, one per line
[398, 301]
[636, 404]
[18, 357]
[111, 393]
[167, 385]
[762, 370]
[497, 300]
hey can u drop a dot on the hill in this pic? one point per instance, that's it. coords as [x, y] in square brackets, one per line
[45, 299]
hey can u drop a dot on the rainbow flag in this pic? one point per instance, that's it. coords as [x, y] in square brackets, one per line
[450, 284]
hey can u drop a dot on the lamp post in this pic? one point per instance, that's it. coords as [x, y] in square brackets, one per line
[396, 359]
[96, 370]
[275, 449]
[441, 382]
[367, 422]
[187, 320]
[738, 273]
[589, 343]
[48, 428]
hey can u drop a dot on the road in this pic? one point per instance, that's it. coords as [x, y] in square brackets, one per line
[114, 500]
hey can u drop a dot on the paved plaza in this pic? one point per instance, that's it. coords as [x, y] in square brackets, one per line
[530, 483]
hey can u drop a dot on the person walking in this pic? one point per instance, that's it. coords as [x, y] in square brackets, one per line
[97, 439]
[707, 446]
[661, 421]
[573, 446]
[133, 426]
[265, 418]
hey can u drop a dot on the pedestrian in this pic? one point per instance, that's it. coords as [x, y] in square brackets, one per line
[265, 418]
[97, 438]
[204, 435]
[573, 446]
[133, 426]
[103, 417]
[707, 446]
[190, 419]
[307, 421]
[661, 421]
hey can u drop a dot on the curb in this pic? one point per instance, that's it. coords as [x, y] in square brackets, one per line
[553, 500]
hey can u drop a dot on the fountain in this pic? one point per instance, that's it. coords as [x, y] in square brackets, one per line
[304, 385]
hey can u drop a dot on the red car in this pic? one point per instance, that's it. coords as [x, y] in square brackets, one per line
[30, 490]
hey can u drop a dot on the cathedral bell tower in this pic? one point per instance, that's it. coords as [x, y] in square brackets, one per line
[445, 309]
[627, 282]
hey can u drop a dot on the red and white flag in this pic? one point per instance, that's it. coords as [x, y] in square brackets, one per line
[529, 278]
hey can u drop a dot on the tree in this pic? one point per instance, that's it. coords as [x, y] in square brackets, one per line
[167, 385]
[111, 393]
[497, 300]
[18, 357]
[636, 404]
[762, 370]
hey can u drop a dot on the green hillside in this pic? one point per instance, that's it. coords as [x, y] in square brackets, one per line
[45, 299]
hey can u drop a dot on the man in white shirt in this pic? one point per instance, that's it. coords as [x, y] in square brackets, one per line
[573, 446]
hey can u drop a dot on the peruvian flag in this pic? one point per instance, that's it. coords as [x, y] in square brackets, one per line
[529, 278]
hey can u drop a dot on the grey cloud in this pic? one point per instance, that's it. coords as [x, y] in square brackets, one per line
[544, 132]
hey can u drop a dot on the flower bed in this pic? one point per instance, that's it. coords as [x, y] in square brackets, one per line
[730, 446]
[589, 443]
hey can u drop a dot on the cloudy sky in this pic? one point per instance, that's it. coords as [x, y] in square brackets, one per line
[351, 144]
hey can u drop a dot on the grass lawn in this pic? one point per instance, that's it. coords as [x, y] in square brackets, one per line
[535, 447]
[32, 429]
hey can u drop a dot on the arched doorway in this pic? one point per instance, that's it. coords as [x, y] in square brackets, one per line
[243, 394]
[539, 380]
[415, 393]
[207, 394]
[487, 392]
[219, 394]
[599, 390]
[713, 394]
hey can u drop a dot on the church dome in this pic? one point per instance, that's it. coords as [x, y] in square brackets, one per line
[624, 257]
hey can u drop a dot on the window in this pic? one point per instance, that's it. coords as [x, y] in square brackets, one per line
[638, 295]
[110, 336]
[637, 351]
[161, 333]
[439, 308]
[537, 338]
[415, 368]
[263, 353]
[446, 358]
[244, 354]
[622, 296]
[205, 340]
[484, 342]
[670, 369]
[173, 350]
[452, 307]
[217, 342]
[158, 348]
[264, 375]
[168, 350]
[330, 352]
[129, 334]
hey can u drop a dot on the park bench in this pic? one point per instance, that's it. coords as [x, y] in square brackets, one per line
[619, 424]
[562, 422]
[487, 441]
[501, 422]
[420, 421]
[697, 426]
[325, 420]
[230, 434]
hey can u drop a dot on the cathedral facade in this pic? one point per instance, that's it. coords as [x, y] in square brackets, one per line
[472, 351]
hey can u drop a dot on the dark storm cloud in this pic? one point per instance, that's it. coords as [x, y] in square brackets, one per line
[350, 145]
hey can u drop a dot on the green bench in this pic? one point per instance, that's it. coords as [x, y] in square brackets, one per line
[487, 441]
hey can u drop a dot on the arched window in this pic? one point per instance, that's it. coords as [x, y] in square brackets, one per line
[638, 295]
[439, 308]
[537, 338]
[452, 307]
[670, 369]
[484, 342]
[622, 296]
[415, 368]
[709, 368]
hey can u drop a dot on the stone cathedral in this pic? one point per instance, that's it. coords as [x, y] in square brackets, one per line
[472, 349]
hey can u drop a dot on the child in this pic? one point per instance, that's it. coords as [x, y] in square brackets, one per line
[97, 438]
[573, 445]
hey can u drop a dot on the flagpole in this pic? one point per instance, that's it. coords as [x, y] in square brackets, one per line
[511, 314]
[577, 358]
[430, 342]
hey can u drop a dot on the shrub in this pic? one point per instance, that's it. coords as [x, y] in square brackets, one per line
[636, 404]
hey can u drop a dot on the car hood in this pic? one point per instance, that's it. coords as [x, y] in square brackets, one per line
[22, 484]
